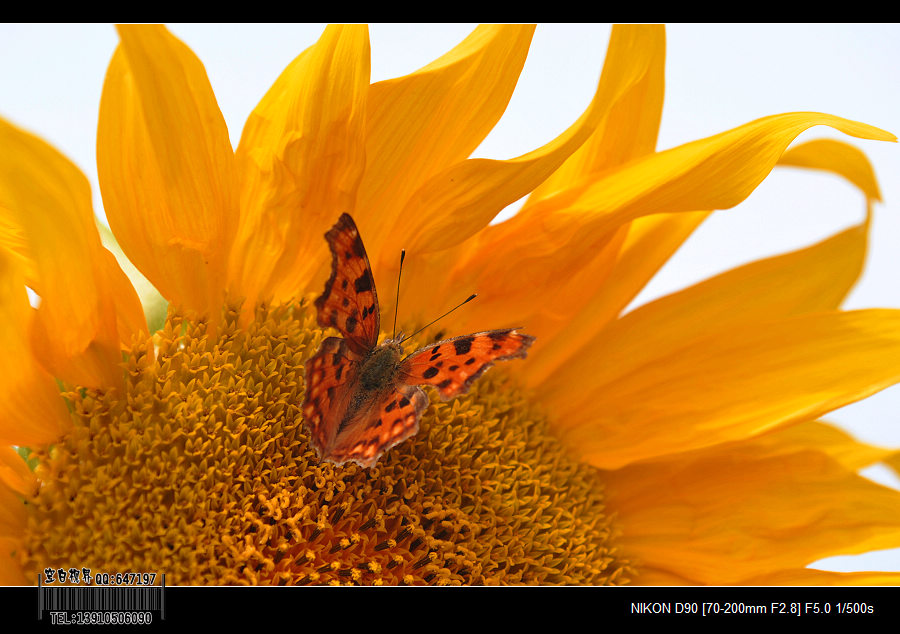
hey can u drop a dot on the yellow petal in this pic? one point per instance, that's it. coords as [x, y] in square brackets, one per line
[458, 201]
[302, 154]
[647, 232]
[15, 474]
[153, 304]
[720, 517]
[820, 436]
[16, 480]
[10, 571]
[807, 280]
[560, 231]
[47, 198]
[653, 238]
[595, 297]
[838, 157]
[15, 243]
[893, 461]
[759, 291]
[422, 123]
[128, 305]
[635, 61]
[628, 113]
[650, 576]
[732, 384]
[12, 512]
[130, 317]
[813, 577]
[634, 72]
[166, 167]
[713, 173]
[32, 411]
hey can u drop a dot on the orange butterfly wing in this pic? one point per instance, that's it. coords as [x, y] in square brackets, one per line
[349, 302]
[389, 420]
[452, 365]
[331, 376]
[341, 429]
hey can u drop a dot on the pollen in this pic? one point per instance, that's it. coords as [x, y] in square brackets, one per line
[202, 470]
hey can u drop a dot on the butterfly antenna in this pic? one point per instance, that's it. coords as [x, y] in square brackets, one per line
[470, 298]
[397, 302]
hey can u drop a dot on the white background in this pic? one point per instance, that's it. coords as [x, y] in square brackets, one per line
[717, 77]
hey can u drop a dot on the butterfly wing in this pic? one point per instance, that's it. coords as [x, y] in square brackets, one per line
[453, 365]
[349, 302]
[331, 378]
[386, 421]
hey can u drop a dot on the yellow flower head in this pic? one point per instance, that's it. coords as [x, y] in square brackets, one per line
[676, 443]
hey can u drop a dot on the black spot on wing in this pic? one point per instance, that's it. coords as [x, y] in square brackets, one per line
[463, 345]
[430, 372]
[363, 283]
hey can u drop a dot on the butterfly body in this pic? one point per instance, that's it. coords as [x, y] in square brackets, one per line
[362, 398]
[379, 369]
[376, 378]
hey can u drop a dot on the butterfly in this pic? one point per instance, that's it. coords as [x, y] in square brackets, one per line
[363, 398]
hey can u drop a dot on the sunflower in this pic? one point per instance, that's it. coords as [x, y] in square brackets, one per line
[676, 443]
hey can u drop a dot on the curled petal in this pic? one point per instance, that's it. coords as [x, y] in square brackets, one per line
[421, 124]
[713, 173]
[459, 201]
[634, 69]
[626, 111]
[838, 157]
